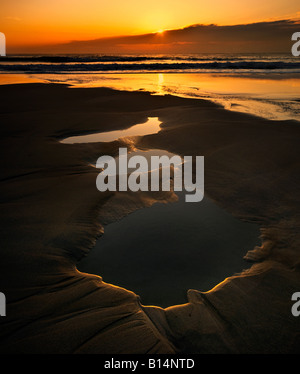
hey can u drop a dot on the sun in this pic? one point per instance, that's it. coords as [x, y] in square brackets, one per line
[160, 31]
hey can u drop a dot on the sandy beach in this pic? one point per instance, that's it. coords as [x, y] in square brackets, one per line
[52, 215]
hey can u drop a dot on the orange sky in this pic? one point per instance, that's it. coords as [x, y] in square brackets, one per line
[40, 22]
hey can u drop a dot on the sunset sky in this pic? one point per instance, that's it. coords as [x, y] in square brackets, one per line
[39, 23]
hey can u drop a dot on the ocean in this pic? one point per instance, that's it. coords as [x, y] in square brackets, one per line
[280, 63]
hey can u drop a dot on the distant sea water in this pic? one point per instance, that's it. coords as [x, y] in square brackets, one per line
[267, 85]
[149, 63]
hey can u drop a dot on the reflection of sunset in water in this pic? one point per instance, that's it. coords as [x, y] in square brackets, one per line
[265, 95]
[160, 86]
[151, 126]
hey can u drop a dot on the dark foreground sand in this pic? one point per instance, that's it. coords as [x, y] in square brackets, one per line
[51, 213]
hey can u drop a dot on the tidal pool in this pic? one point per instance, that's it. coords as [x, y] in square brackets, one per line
[162, 251]
[151, 126]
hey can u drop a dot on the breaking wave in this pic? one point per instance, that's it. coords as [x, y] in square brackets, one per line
[121, 63]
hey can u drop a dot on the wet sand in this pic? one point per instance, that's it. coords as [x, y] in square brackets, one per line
[52, 215]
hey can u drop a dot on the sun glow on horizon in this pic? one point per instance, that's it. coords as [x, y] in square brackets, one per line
[38, 23]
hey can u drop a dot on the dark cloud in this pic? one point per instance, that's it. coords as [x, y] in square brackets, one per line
[262, 37]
